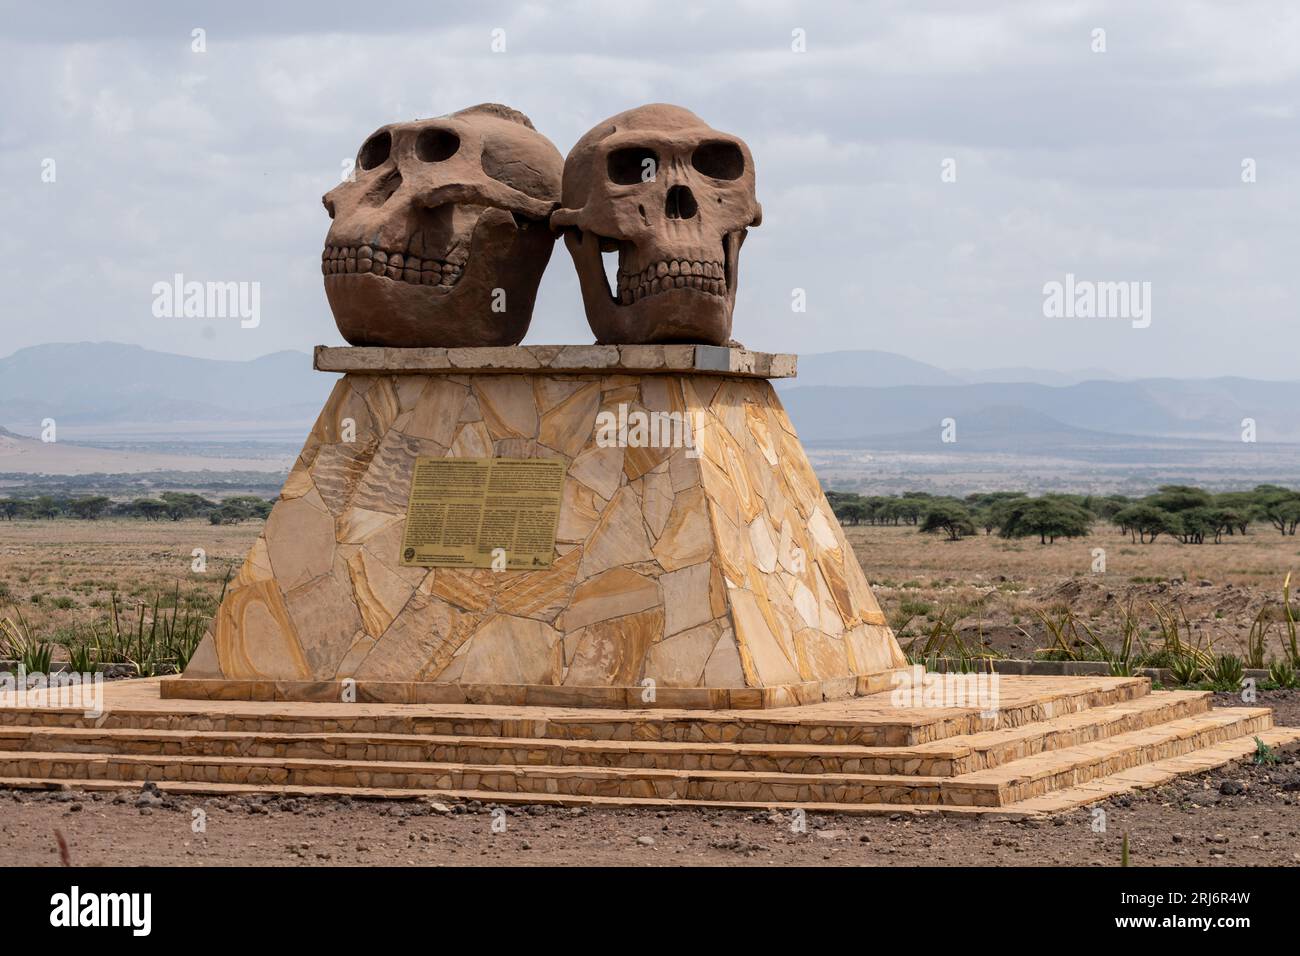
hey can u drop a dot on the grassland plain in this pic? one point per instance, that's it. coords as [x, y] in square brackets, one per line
[62, 575]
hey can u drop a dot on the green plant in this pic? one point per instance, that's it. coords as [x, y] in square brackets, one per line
[1290, 648]
[944, 640]
[80, 658]
[18, 643]
[1227, 673]
[1123, 851]
[1283, 674]
[1264, 754]
[1184, 670]
[1259, 628]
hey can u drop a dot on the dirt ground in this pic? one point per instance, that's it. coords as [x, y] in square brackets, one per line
[1242, 815]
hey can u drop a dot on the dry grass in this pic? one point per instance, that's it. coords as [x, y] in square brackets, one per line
[995, 586]
[63, 574]
[990, 587]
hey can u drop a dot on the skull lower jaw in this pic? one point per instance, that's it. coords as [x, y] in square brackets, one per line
[660, 298]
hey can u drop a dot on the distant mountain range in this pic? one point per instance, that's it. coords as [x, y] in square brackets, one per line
[109, 393]
[106, 383]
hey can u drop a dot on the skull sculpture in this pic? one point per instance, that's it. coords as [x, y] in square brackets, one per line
[442, 236]
[674, 198]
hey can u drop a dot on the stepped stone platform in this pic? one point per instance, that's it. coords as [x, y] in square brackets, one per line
[1052, 744]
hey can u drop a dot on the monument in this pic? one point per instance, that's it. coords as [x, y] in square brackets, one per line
[627, 524]
[595, 574]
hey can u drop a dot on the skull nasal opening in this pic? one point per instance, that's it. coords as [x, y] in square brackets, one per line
[680, 203]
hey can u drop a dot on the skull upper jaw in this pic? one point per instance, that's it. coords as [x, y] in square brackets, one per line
[489, 303]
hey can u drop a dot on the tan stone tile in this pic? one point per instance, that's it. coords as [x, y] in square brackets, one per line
[507, 404]
[298, 483]
[473, 440]
[513, 650]
[762, 544]
[256, 566]
[686, 537]
[567, 426]
[656, 500]
[470, 590]
[600, 469]
[684, 469]
[381, 399]
[619, 536]
[679, 660]
[686, 597]
[379, 592]
[580, 509]
[420, 641]
[612, 653]
[540, 594]
[300, 541]
[723, 668]
[439, 408]
[755, 639]
[255, 637]
[613, 593]
[355, 525]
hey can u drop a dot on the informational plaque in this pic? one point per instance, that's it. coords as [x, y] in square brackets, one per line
[483, 513]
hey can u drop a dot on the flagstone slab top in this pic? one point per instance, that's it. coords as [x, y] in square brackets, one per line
[574, 359]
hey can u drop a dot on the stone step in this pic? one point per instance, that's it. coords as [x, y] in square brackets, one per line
[1015, 781]
[861, 722]
[1056, 770]
[1149, 775]
[1156, 773]
[948, 757]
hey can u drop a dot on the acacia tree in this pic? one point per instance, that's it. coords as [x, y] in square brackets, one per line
[1145, 523]
[950, 517]
[89, 508]
[1049, 517]
[1279, 506]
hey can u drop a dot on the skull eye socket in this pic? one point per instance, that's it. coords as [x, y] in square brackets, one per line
[375, 150]
[435, 145]
[719, 160]
[631, 165]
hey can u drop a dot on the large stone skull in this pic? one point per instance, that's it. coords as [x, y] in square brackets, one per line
[442, 236]
[674, 198]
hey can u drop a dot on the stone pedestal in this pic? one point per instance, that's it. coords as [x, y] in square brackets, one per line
[708, 575]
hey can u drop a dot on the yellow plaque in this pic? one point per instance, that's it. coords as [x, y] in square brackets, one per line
[483, 513]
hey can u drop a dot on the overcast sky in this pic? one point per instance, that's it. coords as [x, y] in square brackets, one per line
[1123, 165]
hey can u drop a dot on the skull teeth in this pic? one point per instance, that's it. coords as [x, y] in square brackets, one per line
[704, 276]
[363, 260]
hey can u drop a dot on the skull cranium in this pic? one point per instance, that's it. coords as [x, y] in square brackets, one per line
[441, 237]
[674, 198]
